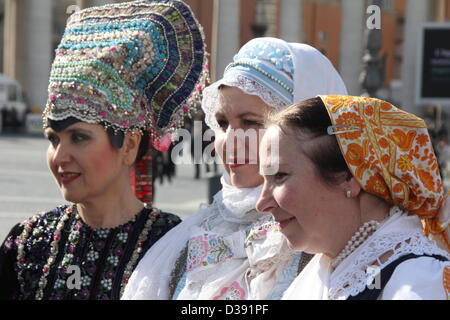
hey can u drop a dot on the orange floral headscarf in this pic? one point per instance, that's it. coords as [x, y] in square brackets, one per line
[389, 152]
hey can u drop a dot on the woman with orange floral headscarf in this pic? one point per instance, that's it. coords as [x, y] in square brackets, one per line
[364, 194]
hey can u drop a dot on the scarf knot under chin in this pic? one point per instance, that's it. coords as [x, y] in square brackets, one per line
[237, 204]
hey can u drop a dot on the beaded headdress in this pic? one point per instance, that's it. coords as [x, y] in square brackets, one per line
[278, 72]
[137, 65]
[134, 65]
[389, 152]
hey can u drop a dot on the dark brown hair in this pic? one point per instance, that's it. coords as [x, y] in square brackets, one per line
[308, 121]
[117, 138]
[144, 147]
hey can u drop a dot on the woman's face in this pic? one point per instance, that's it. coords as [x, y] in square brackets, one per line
[239, 148]
[311, 214]
[83, 161]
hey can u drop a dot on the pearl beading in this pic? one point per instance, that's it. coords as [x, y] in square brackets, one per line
[268, 75]
[364, 232]
[141, 65]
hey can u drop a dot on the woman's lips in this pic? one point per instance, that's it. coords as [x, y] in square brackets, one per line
[68, 177]
[237, 163]
[283, 223]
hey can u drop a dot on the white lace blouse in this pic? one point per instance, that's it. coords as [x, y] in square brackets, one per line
[399, 235]
[227, 250]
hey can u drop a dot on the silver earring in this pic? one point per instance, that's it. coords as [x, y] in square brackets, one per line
[348, 194]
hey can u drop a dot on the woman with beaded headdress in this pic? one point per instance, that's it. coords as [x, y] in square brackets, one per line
[364, 194]
[228, 250]
[123, 76]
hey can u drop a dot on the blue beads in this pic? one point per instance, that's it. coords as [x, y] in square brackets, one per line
[280, 57]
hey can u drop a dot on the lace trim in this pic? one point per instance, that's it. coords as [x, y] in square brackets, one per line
[64, 114]
[262, 266]
[211, 96]
[354, 280]
[219, 217]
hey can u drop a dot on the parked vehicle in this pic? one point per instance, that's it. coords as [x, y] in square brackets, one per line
[13, 108]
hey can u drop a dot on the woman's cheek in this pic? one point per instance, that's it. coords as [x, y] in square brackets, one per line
[219, 147]
[219, 144]
[287, 199]
[50, 162]
[102, 159]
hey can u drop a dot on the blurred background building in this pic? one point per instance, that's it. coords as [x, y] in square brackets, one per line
[31, 29]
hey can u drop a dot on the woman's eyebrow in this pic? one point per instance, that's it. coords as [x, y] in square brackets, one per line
[221, 115]
[72, 130]
[48, 131]
[245, 114]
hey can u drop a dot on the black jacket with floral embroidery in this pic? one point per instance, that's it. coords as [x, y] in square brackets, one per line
[84, 263]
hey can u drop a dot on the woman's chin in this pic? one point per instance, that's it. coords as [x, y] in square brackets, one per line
[244, 184]
[241, 181]
[297, 245]
[293, 246]
[71, 197]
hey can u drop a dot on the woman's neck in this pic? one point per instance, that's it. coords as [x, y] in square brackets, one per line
[369, 211]
[111, 209]
[373, 208]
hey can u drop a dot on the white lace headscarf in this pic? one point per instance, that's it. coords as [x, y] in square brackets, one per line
[278, 72]
[281, 74]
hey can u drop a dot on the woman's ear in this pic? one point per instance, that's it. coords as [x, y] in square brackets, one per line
[351, 187]
[355, 187]
[130, 147]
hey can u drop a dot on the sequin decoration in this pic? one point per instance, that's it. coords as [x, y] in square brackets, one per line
[134, 65]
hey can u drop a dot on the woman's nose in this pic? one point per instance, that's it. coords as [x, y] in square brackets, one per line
[237, 138]
[266, 203]
[61, 155]
[230, 143]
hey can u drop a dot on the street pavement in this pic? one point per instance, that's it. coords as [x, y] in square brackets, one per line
[28, 187]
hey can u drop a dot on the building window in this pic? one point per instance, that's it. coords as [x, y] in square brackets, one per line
[388, 6]
[265, 19]
[12, 92]
[323, 36]
[60, 16]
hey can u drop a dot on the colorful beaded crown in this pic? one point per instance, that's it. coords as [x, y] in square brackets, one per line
[135, 65]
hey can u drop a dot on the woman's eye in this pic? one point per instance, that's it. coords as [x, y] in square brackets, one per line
[279, 176]
[252, 123]
[78, 137]
[223, 124]
[54, 140]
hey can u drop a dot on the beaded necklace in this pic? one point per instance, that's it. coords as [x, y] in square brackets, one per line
[74, 234]
[364, 232]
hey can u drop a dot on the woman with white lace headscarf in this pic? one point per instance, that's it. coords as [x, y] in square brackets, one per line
[356, 182]
[228, 250]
